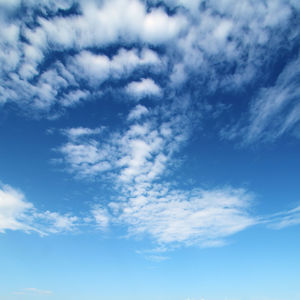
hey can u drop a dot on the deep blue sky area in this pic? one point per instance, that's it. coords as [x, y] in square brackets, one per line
[149, 150]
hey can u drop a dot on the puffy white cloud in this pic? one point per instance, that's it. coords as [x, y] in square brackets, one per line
[91, 67]
[145, 87]
[125, 20]
[95, 69]
[60, 84]
[159, 27]
[194, 41]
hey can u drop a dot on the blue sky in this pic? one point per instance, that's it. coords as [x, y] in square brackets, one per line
[149, 150]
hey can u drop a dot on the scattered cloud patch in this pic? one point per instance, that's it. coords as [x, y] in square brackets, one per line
[77, 132]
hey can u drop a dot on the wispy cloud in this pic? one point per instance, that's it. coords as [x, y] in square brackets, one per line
[285, 219]
[275, 111]
[78, 132]
[18, 214]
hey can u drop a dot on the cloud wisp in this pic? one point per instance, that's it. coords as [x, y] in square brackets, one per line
[274, 111]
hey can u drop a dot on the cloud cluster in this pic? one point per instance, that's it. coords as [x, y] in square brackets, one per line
[135, 160]
[46, 54]
[61, 53]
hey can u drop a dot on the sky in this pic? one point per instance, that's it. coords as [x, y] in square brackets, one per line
[149, 150]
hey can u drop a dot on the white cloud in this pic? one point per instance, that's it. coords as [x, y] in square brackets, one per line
[13, 210]
[274, 111]
[284, 219]
[77, 132]
[18, 214]
[238, 35]
[91, 67]
[115, 21]
[138, 112]
[203, 217]
[101, 217]
[159, 27]
[145, 87]
[55, 223]
[221, 46]
[87, 159]
[138, 157]
[95, 69]
[74, 97]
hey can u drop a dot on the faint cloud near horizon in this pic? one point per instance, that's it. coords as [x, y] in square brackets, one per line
[33, 291]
